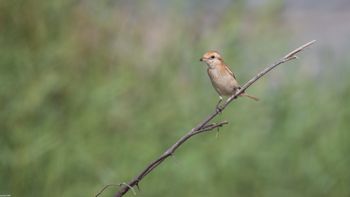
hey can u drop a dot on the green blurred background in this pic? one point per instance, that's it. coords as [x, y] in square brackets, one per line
[92, 91]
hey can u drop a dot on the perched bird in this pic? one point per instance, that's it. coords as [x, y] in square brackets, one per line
[222, 78]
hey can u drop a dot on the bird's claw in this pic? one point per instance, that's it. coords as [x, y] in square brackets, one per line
[218, 109]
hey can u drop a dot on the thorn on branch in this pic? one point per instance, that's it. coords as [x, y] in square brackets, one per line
[137, 185]
[217, 132]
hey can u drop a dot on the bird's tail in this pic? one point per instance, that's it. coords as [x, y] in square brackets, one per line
[251, 97]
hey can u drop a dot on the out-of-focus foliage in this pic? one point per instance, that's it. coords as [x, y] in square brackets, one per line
[92, 91]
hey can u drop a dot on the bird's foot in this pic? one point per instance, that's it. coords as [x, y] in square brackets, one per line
[218, 108]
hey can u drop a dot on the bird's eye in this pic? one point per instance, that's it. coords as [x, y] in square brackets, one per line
[212, 57]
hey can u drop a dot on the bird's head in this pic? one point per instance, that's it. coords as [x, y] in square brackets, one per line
[212, 58]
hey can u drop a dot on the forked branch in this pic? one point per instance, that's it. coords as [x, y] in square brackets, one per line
[204, 126]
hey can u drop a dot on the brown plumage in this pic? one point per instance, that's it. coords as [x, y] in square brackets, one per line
[222, 78]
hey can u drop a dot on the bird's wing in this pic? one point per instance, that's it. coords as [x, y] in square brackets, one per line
[229, 71]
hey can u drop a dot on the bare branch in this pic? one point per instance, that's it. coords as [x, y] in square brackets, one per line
[293, 53]
[204, 126]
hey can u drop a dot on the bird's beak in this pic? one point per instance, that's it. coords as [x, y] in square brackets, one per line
[201, 59]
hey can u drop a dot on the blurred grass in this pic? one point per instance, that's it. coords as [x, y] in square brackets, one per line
[92, 91]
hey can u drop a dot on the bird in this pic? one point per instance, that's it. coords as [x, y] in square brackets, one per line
[222, 78]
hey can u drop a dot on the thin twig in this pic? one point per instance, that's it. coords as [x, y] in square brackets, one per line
[293, 53]
[204, 126]
[104, 188]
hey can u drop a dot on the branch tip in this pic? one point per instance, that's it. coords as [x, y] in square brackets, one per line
[293, 53]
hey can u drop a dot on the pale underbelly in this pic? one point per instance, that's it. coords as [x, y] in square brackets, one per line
[225, 86]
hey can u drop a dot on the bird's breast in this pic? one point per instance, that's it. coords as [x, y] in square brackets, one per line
[224, 83]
